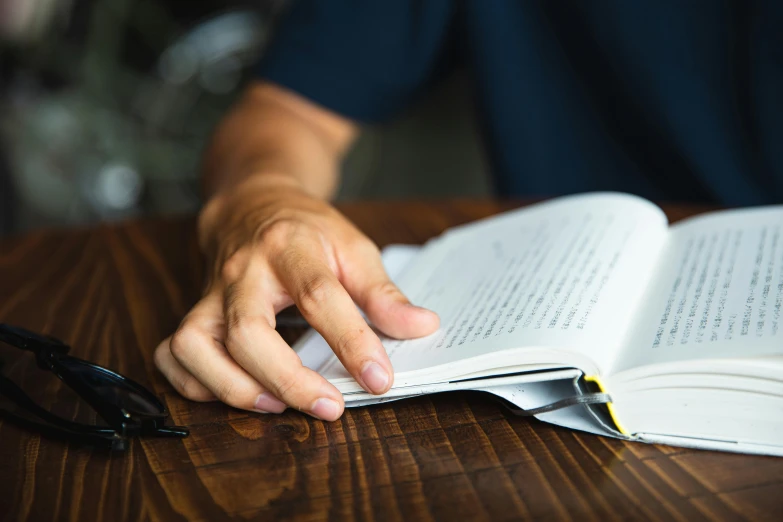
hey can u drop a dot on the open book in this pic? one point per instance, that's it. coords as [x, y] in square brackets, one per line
[594, 313]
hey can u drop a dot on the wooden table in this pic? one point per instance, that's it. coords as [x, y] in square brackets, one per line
[114, 292]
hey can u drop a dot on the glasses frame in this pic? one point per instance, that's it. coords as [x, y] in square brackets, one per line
[122, 423]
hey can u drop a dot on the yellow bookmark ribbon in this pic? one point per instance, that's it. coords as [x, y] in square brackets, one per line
[610, 407]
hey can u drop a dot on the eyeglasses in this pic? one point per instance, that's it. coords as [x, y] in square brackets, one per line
[128, 408]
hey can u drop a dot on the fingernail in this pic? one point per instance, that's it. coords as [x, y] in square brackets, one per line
[375, 377]
[326, 409]
[424, 312]
[268, 403]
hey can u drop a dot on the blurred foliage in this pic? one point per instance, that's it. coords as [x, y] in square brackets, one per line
[104, 113]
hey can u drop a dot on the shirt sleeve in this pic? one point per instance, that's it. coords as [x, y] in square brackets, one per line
[364, 59]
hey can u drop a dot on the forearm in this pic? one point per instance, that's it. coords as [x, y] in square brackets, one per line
[272, 134]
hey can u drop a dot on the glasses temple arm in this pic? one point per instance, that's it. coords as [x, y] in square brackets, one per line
[10, 390]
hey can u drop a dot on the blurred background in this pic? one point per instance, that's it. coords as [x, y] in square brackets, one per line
[105, 106]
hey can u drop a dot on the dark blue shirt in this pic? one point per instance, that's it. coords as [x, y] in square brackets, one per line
[667, 99]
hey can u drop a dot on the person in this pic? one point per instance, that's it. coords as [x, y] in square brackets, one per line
[667, 99]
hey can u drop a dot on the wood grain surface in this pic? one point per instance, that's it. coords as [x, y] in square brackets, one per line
[113, 292]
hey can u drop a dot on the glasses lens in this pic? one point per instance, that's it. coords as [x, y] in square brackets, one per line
[44, 389]
[115, 389]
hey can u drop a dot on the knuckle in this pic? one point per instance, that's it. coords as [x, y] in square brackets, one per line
[350, 342]
[278, 234]
[315, 294]
[234, 266]
[284, 385]
[243, 329]
[184, 341]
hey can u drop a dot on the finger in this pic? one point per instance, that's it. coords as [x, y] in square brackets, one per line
[197, 347]
[255, 345]
[304, 272]
[180, 379]
[365, 279]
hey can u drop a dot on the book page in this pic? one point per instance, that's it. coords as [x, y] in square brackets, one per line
[566, 274]
[718, 291]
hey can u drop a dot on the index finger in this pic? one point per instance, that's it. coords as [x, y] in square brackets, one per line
[305, 274]
[260, 351]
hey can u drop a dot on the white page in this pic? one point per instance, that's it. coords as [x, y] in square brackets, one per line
[566, 274]
[718, 291]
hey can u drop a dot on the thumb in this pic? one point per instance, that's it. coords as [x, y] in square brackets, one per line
[365, 279]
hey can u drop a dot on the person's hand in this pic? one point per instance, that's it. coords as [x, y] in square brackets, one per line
[270, 245]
